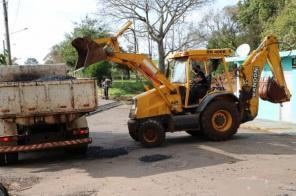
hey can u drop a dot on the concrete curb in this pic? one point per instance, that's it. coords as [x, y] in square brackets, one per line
[271, 126]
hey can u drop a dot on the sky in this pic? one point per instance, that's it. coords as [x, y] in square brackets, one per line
[47, 22]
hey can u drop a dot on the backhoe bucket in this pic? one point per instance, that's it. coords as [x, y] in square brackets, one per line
[269, 90]
[89, 52]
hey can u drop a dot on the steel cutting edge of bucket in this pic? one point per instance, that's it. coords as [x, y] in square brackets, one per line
[89, 52]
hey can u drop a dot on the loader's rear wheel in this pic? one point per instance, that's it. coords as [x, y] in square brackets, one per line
[220, 120]
[8, 158]
[151, 134]
[134, 135]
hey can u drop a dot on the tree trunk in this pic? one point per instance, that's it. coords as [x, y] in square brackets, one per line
[128, 73]
[161, 56]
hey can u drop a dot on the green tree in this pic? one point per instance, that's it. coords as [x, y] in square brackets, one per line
[256, 15]
[31, 61]
[54, 56]
[284, 26]
[157, 18]
[3, 58]
[221, 29]
[99, 70]
[65, 52]
[86, 28]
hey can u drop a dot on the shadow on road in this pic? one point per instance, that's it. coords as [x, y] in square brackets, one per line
[185, 153]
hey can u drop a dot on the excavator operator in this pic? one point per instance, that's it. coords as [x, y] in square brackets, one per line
[198, 87]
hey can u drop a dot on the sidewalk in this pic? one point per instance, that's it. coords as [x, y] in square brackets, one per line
[102, 101]
[271, 126]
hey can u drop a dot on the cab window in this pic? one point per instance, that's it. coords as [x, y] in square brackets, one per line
[179, 72]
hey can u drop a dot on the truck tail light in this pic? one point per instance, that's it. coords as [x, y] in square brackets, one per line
[8, 139]
[80, 132]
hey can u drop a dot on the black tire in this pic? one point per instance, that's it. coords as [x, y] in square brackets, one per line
[8, 158]
[2, 160]
[195, 133]
[134, 135]
[3, 190]
[220, 120]
[151, 134]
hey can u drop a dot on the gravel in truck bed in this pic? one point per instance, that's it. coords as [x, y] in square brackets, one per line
[32, 78]
[54, 78]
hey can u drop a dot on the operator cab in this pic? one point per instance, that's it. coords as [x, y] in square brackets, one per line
[193, 75]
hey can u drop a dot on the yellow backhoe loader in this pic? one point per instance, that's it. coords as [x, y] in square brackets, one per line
[166, 107]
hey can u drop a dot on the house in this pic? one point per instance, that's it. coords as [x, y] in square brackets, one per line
[279, 112]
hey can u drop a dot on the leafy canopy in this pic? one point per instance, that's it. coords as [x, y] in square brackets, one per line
[86, 28]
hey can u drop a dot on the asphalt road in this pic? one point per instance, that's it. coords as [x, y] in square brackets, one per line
[252, 163]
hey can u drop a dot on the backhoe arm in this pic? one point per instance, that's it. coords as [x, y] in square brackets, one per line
[250, 73]
[92, 51]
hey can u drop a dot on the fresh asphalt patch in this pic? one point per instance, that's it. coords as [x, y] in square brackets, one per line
[97, 152]
[154, 158]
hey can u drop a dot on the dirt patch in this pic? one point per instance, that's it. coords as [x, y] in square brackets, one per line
[154, 158]
[96, 152]
[16, 184]
[125, 99]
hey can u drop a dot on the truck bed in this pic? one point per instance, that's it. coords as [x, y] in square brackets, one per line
[26, 99]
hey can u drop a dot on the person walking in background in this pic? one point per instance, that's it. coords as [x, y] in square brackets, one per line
[106, 84]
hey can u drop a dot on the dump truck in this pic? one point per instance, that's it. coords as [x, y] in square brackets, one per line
[42, 108]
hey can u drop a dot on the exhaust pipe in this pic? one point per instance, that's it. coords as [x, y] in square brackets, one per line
[89, 52]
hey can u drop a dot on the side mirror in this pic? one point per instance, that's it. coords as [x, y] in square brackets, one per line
[243, 50]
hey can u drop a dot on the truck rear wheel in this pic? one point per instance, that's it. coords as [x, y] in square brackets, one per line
[151, 134]
[220, 120]
[8, 158]
[77, 150]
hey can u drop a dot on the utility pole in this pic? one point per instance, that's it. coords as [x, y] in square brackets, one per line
[3, 46]
[7, 31]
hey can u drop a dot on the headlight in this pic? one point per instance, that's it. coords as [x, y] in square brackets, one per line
[133, 109]
[134, 104]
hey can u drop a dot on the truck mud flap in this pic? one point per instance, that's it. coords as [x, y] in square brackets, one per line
[43, 146]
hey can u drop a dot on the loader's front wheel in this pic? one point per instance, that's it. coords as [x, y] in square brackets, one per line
[220, 120]
[134, 135]
[151, 134]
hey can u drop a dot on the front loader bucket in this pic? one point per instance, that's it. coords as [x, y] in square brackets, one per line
[269, 90]
[89, 52]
